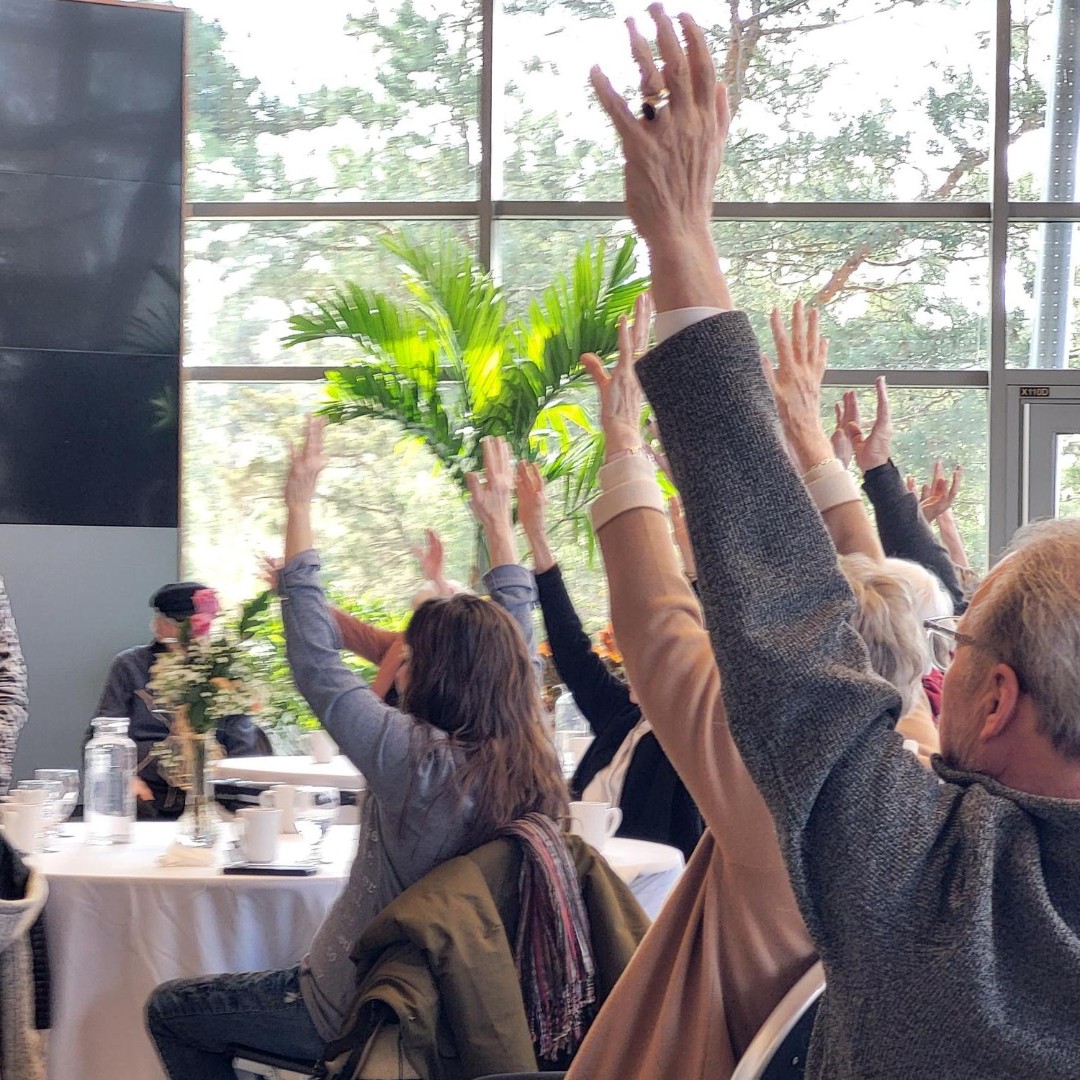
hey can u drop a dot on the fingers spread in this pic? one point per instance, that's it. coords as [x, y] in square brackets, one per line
[614, 104]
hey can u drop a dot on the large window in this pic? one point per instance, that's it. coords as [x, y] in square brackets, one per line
[908, 166]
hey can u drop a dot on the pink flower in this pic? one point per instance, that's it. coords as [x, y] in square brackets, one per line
[200, 623]
[206, 602]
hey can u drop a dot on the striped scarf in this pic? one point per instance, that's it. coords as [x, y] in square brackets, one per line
[552, 952]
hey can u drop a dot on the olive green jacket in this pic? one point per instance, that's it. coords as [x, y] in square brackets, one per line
[439, 962]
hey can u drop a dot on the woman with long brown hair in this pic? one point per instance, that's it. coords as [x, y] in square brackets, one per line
[466, 755]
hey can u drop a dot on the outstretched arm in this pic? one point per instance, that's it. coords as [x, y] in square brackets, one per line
[813, 724]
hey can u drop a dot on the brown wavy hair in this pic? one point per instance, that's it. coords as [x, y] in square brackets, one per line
[470, 675]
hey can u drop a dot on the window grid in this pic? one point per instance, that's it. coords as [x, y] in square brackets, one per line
[487, 212]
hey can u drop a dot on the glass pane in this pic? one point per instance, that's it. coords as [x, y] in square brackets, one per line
[1042, 295]
[823, 110]
[378, 494]
[894, 295]
[1067, 503]
[1044, 123]
[933, 424]
[245, 278]
[344, 99]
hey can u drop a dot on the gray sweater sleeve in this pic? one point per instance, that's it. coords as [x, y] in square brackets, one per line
[857, 815]
[514, 588]
[378, 739]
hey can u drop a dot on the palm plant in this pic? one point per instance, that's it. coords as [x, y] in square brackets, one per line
[451, 366]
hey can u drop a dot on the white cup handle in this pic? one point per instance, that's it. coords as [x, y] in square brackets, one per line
[614, 820]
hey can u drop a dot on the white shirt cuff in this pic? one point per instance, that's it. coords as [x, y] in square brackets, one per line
[669, 323]
[627, 483]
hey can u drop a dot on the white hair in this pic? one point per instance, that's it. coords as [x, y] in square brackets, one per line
[888, 618]
[931, 598]
[1027, 615]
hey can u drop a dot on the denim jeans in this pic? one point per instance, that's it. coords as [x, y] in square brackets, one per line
[194, 1022]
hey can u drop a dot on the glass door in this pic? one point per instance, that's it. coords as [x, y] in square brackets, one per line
[1051, 467]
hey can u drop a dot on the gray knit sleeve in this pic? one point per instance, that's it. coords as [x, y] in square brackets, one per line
[813, 723]
[14, 702]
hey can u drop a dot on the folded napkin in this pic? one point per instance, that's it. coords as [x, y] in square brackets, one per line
[182, 855]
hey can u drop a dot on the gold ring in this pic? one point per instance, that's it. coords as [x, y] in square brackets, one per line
[651, 104]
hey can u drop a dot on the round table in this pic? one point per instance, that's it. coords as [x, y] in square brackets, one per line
[119, 924]
[340, 772]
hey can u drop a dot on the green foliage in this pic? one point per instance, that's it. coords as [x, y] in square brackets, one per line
[450, 366]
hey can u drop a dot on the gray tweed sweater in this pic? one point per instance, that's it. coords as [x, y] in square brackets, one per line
[946, 913]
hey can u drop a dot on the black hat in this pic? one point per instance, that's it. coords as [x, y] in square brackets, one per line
[174, 601]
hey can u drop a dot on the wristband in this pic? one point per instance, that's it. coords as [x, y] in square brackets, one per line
[822, 468]
[832, 490]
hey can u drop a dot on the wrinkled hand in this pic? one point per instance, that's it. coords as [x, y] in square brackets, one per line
[306, 461]
[531, 499]
[876, 448]
[846, 412]
[801, 357]
[271, 569]
[671, 162]
[431, 557]
[937, 497]
[621, 399]
[489, 491]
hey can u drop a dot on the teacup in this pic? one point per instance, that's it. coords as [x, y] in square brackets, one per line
[22, 823]
[595, 822]
[281, 797]
[259, 828]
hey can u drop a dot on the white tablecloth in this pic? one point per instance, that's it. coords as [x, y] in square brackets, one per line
[339, 772]
[119, 925]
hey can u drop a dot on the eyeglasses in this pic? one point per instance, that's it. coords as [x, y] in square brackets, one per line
[945, 639]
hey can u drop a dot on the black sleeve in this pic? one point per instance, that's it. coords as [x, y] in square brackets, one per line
[903, 530]
[600, 696]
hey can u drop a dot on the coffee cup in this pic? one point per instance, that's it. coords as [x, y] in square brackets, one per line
[22, 823]
[321, 747]
[281, 797]
[259, 827]
[594, 822]
[33, 796]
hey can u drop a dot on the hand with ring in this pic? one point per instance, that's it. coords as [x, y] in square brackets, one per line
[672, 156]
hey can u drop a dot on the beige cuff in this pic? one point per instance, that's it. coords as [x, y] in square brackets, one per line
[628, 483]
[832, 489]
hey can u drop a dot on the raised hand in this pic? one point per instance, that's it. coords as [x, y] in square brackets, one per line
[489, 500]
[621, 399]
[531, 499]
[937, 497]
[874, 449]
[306, 461]
[269, 570]
[431, 557]
[672, 160]
[846, 411]
[801, 356]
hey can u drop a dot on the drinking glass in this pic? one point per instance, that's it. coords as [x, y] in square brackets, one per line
[50, 806]
[68, 779]
[315, 810]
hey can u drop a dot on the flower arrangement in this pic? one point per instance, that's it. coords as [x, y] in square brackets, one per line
[210, 675]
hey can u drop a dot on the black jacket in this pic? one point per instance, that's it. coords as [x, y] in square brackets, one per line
[655, 803]
[904, 532]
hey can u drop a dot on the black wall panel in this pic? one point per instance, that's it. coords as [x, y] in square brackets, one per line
[91, 159]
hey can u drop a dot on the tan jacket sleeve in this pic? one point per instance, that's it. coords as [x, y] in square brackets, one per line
[670, 664]
[362, 638]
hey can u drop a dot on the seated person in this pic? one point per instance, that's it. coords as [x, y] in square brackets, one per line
[466, 755]
[125, 694]
[625, 765]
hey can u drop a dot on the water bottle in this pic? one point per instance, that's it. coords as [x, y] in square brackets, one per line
[569, 724]
[109, 782]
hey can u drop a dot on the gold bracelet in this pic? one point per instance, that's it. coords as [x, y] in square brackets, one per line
[628, 451]
[819, 465]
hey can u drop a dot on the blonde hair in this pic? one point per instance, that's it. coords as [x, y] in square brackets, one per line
[887, 618]
[1028, 615]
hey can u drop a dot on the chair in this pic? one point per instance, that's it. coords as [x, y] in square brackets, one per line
[778, 1051]
[525, 1076]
